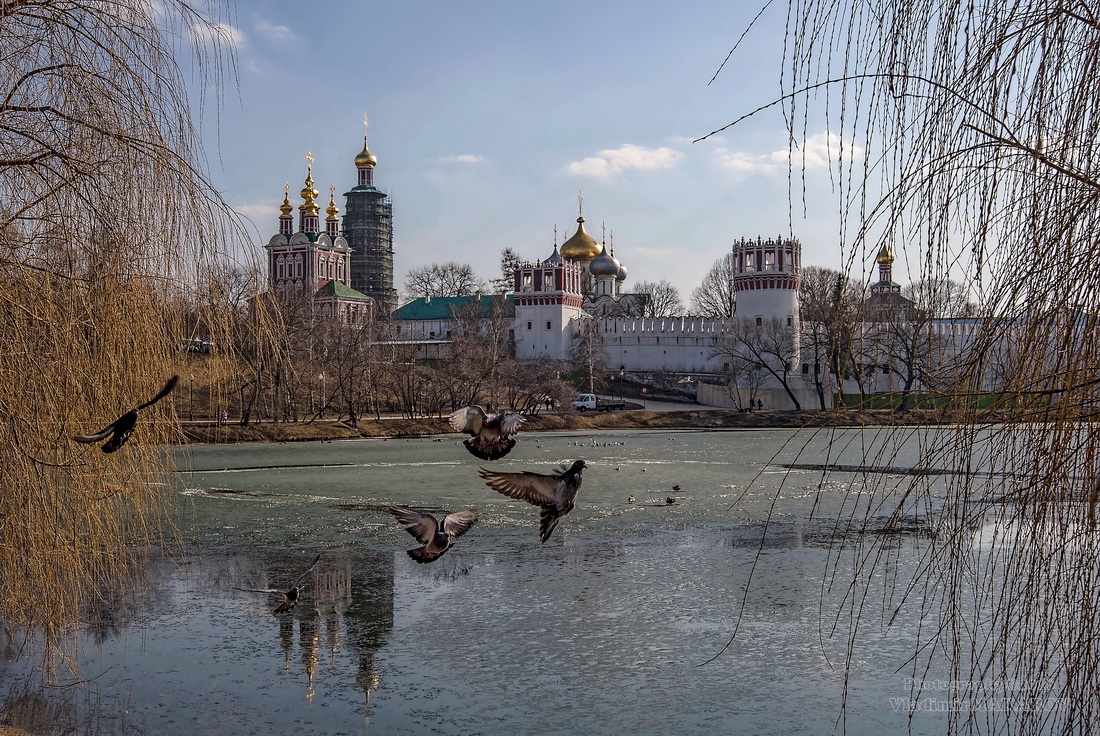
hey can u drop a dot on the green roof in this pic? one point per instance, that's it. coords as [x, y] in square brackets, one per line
[340, 291]
[444, 307]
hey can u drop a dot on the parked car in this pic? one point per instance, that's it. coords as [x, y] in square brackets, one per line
[584, 402]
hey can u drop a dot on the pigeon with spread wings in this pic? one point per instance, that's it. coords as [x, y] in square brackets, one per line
[491, 434]
[436, 538]
[554, 493]
[292, 594]
[120, 429]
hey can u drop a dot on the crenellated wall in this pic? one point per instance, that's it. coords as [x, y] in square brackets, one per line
[677, 344]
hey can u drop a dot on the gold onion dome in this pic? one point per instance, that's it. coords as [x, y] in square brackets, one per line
[286, 207]
[884, 256]
[332, 209]
[309, 194]
[582, 246]
[365, 159]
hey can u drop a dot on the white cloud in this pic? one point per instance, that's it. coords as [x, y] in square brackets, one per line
[274, 33]
[463, 158]
[221, 32]
[259, 212]
[816, 153]
[609, 163]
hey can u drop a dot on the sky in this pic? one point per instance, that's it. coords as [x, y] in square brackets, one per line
[489, 117]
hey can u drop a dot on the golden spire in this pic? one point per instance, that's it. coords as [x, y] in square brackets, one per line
[286, 207]
[365, 159]
[309, 192]
[332, 209]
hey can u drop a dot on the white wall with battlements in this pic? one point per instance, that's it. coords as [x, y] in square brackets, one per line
[675, 344]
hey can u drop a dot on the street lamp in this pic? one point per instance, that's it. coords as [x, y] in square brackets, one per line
[323, 401]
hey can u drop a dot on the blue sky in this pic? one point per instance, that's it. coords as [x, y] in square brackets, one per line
[488, 117]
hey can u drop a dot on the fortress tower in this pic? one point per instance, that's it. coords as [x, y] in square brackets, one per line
[766, 275]
[548, 297]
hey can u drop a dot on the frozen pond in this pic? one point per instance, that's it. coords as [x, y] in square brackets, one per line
[611, 627]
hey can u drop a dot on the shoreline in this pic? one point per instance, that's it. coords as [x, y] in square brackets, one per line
[708, 419]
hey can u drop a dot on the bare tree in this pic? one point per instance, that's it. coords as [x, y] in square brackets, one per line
[442, 279]
[940, 298]
[715, 295]
[663, 298]
[509, 259]
[829, 306]
[768, 346]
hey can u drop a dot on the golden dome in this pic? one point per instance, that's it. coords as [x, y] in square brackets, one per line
[884, 257]
[332, 209]
[365, 159]
[580, 247]
[286, 207]
[309, 194]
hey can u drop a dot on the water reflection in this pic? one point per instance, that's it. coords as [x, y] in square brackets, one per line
[607, 622]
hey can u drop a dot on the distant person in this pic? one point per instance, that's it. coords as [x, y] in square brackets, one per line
[354, 420]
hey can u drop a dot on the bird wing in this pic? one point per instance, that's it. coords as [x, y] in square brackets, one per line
[458, 523]
[421, 526]
[100, 435]
[535, 488]
[305, 574]
[510, 422]
[171, 384]
[468, 419]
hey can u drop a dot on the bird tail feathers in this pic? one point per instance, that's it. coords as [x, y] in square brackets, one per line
[489, 450]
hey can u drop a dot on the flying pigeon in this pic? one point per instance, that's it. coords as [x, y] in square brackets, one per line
[290, 597]
[435, 537]
[121, 429]
[554, 493]
[491, 433]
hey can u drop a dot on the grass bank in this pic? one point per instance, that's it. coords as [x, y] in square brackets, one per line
[210, 433]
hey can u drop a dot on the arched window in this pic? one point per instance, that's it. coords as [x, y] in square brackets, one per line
[280, 268]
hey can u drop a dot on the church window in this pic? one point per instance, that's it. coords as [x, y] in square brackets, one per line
[790, 321]
[280, 268]
[528, 325]
[759, 321]
[549, 326]
[749, 262]
[769, 261]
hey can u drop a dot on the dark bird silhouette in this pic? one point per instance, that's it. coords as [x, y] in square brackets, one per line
[554, 493]
[491, 434]
[670, 500]
[120, 429]
[630, 500]
[676, 487]
[291, 595]
[437, 538]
